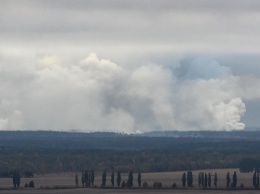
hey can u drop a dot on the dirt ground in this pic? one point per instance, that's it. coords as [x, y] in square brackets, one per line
[128, 191]
[166, 178]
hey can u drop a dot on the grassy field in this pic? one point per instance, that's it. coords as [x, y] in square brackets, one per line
[127, 191]
[46, 183]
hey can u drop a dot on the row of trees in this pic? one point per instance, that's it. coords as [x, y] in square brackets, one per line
[129, 182]
[189, 179]
[228, 180]
[88, 178]
[204, 179]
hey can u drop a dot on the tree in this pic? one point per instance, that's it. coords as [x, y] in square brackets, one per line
[112, 179]
[83, 178]
[183, 179]
[139, 179]
[77, 180]
[86, 179]
[118, 179]
[209, 179]
[104, 178]
[16, 179]
[255, 180]
[228, 179]
[189, 179]
[89, 178]
[215, 180]
[200, 179]
[234, 180]
[130, 179]
[205, 181]
[92, 177]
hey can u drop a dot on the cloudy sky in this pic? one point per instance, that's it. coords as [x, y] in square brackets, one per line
[129, 66]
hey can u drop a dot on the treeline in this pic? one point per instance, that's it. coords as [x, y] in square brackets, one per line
[205, 181]
[146, 161]
[33, 152]
[87, 180]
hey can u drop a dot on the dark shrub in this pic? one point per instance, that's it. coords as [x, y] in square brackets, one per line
[157, 185]
[174, 185]
[241, 186]
[145, 185]
[123, 184]
[31, 184]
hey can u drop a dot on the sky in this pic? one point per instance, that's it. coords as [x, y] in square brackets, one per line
[129, 66]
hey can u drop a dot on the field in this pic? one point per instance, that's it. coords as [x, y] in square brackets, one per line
[53, 183]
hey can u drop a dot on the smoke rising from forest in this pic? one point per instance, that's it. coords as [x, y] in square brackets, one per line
[96, 94]
[165, 65]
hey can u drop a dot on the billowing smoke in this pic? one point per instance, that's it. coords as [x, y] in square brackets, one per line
[98, 95]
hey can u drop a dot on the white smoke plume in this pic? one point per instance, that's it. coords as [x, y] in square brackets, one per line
[99, 95]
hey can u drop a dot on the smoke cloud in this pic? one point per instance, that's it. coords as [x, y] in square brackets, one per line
[99, 95]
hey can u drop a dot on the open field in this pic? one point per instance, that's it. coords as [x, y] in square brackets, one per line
[128, 191]
[45, 182]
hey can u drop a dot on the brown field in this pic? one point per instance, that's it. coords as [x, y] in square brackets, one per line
[45, 183]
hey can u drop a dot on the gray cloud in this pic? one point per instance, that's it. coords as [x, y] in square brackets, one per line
[179, 26]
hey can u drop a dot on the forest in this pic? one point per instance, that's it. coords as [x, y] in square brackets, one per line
[36, 152]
